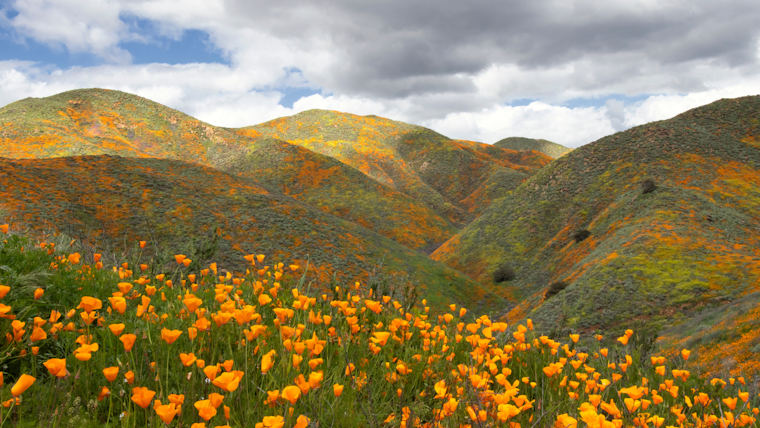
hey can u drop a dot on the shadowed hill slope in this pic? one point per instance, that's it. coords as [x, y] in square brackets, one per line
[651, 257]
[546, 147]
[112, 201]
[336, 188]
[96, 121]
[433, 169]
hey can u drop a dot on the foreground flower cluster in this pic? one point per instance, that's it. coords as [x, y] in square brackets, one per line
[143, 346]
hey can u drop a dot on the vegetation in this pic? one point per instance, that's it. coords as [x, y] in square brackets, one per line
[174, 204]
[581, 234]
[555, 288]
[648, 186]
[141, 345]
[382, 174]
[546, 147]
[658, 260]
[503, 273]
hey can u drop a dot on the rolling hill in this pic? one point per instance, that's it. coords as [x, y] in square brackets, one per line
[96, 121]
[553, 150]
[111, 202]
[447, 175]
[652, 258]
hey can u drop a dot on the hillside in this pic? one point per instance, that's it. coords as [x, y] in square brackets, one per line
[96, 122]
[338, 189]
[429, 167]
[546, 147]
[111, 202]
[654, 258]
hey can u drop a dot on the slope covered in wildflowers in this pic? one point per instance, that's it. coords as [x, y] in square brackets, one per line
[97, 121]
[112, 202]
[447, 175]
[176, 344]
[670, 211]
[546, 147]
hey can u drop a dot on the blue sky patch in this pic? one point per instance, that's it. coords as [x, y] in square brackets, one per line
[601, 101]
[291, 95]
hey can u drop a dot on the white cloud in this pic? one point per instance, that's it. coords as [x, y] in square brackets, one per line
[452, 68]
[569, 127]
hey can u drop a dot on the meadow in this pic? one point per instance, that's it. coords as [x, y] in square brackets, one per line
[135, 343]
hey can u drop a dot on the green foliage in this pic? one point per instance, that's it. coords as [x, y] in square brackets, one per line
[581, 234]
[555, 288]
[648, 186]
[503, 273]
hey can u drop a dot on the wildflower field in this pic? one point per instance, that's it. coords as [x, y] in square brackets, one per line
[141, 345]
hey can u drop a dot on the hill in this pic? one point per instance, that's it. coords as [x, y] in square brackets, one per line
[97, 122]
[546, 147]
[336, 188]
[444, 174]
[651, 257]
[111, 202]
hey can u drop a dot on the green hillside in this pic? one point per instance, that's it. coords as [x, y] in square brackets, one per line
[112, 202]
[652, 258]
[416, 161]
[97, 121]
[546, 147]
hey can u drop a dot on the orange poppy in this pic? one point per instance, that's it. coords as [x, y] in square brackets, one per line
[142, 396]
[22, 384]
[56, 367]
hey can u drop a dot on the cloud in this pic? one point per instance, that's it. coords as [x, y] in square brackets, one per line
[451, 65]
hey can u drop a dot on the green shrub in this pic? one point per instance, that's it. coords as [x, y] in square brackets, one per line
[648, 186]
[555, 288]
[503, 273]
[580, 235]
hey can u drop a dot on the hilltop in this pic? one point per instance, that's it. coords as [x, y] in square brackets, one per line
[442, 173]
[654, 255]
[173, 204]
[546, 147]
[403, 183]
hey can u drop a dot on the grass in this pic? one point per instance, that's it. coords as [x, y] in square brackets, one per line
[350, 357]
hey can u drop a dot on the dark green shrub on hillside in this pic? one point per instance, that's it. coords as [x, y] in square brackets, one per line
[648, 186]
[555, 288]
[581, 234]
[503, 273]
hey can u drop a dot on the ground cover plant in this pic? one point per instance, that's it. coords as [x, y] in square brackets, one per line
[135, 344]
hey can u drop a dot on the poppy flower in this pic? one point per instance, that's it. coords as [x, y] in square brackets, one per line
[110, 373]
[129, 377]
[4, 228]
[170, 335]
[142, 396]
[128, 340]
[266, 361]
[22, 384]
[84, 352]
[187, 359]
[273, 422]
[56, 367]
[228, 381]
[38, 293]
[104, 392]
[381, 337]
[167, 412]
[301, 422]
[291, 393]
[685, 354]
[38, 334]
[90, 304]
[116, 329]
[119, 304]
[211, 372]
[4, 289]
[215, 399]
[337, 389]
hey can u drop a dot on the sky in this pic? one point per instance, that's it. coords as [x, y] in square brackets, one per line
[570, 71]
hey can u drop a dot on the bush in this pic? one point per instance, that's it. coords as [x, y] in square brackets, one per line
[580, 235]
[648, 186]
[555, 288]
[503, 273]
